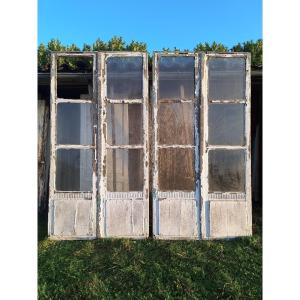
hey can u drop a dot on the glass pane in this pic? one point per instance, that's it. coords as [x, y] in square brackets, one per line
[226, 170]
[226, 124]
[74, 169]
[176, 169]
[176, 77]
[72, 85]
[124, 124]
[226, 78]
[125, 77]
[124, 170]
[176, 123]
[74, 124]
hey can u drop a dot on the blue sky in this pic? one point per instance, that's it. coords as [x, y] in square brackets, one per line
[163, 23]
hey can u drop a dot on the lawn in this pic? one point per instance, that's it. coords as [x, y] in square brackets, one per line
[150, 269]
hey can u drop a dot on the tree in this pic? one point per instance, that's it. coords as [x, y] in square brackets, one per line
[254, 47]
[43, 58]
[136, 46]
[116, 43]
[99, 45]
[86, 47]
[215, 47]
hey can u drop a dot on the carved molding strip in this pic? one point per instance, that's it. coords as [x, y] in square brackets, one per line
[124, 195]
[226, 196]
[62, 195]
[176, 195]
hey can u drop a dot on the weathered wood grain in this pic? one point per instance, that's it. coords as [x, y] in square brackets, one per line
[43, 153]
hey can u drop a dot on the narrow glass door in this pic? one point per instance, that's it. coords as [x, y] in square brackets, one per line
[124, 145]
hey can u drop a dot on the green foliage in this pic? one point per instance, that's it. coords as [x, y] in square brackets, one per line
[99, 45]
[43, 58]
[150, 269]
[116, 43]
[254, 47]
[136, 46]
[215, 47]
[86, 47]
[55, 45]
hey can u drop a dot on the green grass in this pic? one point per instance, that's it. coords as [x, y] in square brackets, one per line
[150, 269]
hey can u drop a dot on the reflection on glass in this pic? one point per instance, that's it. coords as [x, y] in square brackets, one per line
[176, 77]
[176, 169]
[226, 170]
[74, 169]
[125, 78]
[124, 124]
[226, 124]
[74, 124]
[176, 123]
[124, 170]
[226, 78]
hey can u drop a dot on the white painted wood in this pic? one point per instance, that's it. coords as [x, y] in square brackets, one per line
[229, 219]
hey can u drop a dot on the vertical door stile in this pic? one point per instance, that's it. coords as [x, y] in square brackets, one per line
[248, 143]
[197, 137]
[53, 79]
[102, 133]
[155, 150]
[146, 144]
[204, 171]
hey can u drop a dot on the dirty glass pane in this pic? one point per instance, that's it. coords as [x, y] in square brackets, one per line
[74, 169]
[125, 78]
[176, 123]
[226, 170]
[73, 85]
[124, 124]
[74, 124]
[124, 170]
[176, 169]
[176, 77]
[226, 78]
[226, 124]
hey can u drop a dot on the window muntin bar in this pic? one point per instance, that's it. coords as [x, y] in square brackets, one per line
[125, 141]
[73, 128]
[175, 119]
